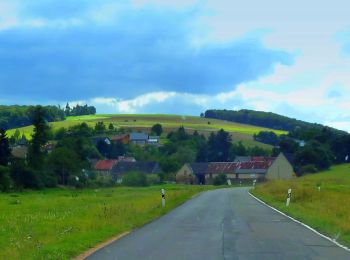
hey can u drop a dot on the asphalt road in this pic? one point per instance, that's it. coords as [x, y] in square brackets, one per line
[222, 224]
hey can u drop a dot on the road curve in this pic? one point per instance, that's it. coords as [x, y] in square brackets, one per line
[222, 224]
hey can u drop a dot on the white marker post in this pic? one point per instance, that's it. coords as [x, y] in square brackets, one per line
[163, 198]
[229, 182]
[288, 197]
[240, 183]
[254, 182]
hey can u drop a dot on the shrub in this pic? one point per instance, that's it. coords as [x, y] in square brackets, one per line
[309, 168]
[135, 179]
[152, 179]
[5, 180]
[220, 179]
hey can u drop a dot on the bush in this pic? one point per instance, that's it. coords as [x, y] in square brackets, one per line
[220, 179]
[135, 179]
[152, 179]
[5, 180]
[309, 168]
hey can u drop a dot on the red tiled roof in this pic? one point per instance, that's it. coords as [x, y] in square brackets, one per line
[119, 137]
[256, 163]
[105, 165]
[221, 167]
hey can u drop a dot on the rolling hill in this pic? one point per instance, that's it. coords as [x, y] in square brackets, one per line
[136, 122]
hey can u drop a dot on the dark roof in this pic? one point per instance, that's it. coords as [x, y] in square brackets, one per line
[199, 168]
[144, 167]
[105, 165]
[138, 136]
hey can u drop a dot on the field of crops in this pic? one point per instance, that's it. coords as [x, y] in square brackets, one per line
[327, 208]
[240, 132]
[60, 224]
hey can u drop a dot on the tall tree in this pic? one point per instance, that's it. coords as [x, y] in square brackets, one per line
[219, 146]
[5, 151]
[157, 129]
[36, 154]
[68, 110]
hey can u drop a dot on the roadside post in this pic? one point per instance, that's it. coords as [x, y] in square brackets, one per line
[240, 183]
[288, 197]
[254, 182]
[229, 182]
[163, 198]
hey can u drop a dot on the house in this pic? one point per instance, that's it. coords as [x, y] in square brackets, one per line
[139, 138]
[104, 167]
[126, 159]
[192, 173]
[281, 168]
[142, 139]
[19, 151]
[257, 168]
[153, 139]
[124, 167]
[123, 138]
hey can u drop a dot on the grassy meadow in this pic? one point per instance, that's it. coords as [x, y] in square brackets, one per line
[327, 210]
[61, 224]
[240, 132]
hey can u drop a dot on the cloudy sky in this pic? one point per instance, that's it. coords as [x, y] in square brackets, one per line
[179, 57]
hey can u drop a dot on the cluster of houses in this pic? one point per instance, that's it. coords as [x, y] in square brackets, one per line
[133, 138]
[242, 169]
[116, 168]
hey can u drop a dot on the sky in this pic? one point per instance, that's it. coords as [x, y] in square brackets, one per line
[179, 57]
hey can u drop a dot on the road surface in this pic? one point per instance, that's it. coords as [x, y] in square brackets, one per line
[222, 224]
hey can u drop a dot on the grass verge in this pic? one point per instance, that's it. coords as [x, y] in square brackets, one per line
[61, 224]
[327, 210]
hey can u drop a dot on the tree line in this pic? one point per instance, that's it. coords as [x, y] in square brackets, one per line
[264, 119]
[19, 116]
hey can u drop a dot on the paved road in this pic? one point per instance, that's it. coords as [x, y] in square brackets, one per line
[222, 224]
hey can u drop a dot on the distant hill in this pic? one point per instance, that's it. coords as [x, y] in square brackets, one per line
[264, 119]
[139, 122]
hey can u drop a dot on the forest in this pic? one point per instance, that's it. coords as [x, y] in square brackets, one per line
[15, 116]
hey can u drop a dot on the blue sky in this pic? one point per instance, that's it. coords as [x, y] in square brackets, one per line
[182, 57]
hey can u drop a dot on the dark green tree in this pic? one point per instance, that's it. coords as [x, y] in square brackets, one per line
[5, 151]
[157, 129]
[5, 180]
[117, 149]
[67, 110]
[64, 162]
[100, 127]
[36, 154]
[219, 146]
[111, 127]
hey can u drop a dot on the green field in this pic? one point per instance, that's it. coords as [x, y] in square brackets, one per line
[240, 132]
[327, 210]
[61, 224]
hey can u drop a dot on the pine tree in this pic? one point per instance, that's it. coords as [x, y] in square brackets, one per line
[68, 110]
[5, 151]
[39, 138]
